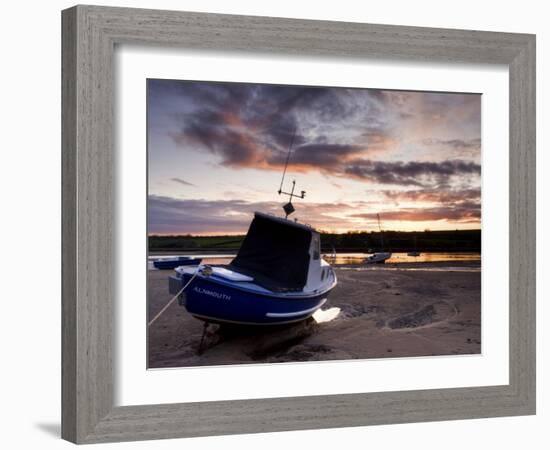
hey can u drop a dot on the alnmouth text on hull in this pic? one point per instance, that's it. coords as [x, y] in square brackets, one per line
[210, 293]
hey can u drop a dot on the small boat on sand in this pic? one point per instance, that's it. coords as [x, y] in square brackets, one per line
[378, 257]
[177, 261]
[277, 277]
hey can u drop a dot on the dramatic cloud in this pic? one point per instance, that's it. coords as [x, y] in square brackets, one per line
[462, 214]
[453, 147]
[413, 173]
[181, 181]
[249, 125]
[169, 215]
[327, 157]
[412, 157]
[435, 196]
[175, 216]
[474, 144]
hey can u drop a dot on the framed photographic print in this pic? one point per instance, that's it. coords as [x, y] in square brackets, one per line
[268, 272]
[307, 218]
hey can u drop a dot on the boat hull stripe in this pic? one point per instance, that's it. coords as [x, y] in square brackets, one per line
[297, 313]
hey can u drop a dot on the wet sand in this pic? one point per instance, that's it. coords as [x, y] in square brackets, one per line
[397, 310]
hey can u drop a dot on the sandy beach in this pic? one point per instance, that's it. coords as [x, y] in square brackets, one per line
[395, 310]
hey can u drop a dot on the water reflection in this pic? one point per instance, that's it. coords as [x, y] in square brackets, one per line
[396, 258]
[343, 259]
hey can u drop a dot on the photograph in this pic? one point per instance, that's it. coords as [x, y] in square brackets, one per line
[291, 224]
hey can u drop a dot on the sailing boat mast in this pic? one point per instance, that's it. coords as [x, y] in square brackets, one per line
[381, 234]
[288, 207]
[287, 160]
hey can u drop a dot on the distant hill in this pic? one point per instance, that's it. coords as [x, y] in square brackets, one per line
[433, 241]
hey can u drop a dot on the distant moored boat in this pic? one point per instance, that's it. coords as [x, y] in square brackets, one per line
[177, 261]
[378, 257]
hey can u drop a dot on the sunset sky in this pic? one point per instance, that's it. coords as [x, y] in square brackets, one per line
[216, 152]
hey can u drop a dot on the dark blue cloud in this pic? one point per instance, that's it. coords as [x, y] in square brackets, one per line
[414, 173]
[253, 124]
[199, 216]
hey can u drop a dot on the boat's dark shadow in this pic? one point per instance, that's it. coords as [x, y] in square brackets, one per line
[260, 342]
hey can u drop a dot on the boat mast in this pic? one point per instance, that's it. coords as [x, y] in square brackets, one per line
[287, 159]
[288, 207]
[381, 234]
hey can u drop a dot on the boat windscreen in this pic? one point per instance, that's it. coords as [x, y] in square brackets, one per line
[276, 253]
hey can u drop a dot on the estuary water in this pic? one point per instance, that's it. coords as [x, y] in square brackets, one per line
[346, 259]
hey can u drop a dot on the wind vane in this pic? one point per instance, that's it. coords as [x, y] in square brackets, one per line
[289, 207]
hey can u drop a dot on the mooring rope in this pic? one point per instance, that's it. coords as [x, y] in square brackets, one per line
[174, 298]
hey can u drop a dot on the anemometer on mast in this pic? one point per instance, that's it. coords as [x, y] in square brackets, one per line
[289, 207]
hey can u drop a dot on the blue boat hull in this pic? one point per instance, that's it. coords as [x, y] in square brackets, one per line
[171, 264]
[215, 302]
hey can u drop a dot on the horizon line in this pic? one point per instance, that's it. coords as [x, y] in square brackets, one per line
[318, 230]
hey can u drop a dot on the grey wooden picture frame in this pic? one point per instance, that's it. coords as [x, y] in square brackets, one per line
[90, 34]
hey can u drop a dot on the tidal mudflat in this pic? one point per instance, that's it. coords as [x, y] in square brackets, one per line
[395, 310]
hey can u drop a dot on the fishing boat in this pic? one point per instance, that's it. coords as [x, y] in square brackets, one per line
[172, 262]
[378, 257]
[277, 277]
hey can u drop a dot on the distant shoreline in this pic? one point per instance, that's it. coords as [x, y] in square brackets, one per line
[396, 241]
[355, 261]
[242, 235]
[158, 252]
